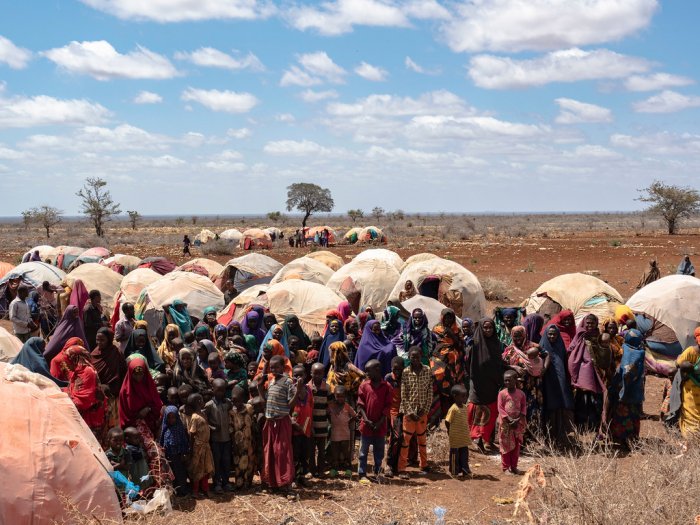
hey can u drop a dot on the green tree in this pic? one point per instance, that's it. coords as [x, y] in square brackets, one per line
[355, 214]
[308, 198]
[378, 212]
[672, 203]
[274, 216]
[97, 203]
[46, 216]
[134, 218]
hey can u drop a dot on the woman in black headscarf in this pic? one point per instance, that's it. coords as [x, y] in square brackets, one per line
[139, 343]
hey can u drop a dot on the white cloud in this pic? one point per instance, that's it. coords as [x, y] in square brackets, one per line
[42, 110]
[434, 102]
[595, 151]
[444, 126]
[148, 97]
[166, 161]
[101, 61]
[662, 143]
[314, 68]
[575, 112]
[570, 65]
[210, 57]
[666, 102]
[656, 82]
[285, 117]
[339, 16]
[240, 133]
[293, 147]
[227, 101]
[13, 56]
[183, 10]
[317, 96]
[541, 25]
[413, 66]
[123, 137]
[372, 73]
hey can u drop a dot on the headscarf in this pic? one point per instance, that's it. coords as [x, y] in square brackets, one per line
[685, 267]
[268, 337]
[324, 355]
[615, 342]
[341, 371]
[109, 364]
[141, 324]
[415, 334]
[181, 319]
[208, 310]
[567, 332]
[194, 376]
[59, 366]
[269, 316]
[486, 366]
[173, 438]
[211, 349]
[202, 330]
[79, 296]
[517, 355]
[153, 359]
[165, 350]
[277, 349]
[556, 387]
[259, 331]
[374, 346]
[362, 319]
[135, 396]
[68, 327]
[31, 357]
[582, 370]
[345, 310]
[391, 325]
[501, 329]
[220, 329]
[533, 324]
[298, 332]
[330, 315]
[630, 374]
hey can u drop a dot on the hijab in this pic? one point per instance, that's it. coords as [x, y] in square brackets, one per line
[79, 296]
[298, 332]
[268, 338]
[31, 357]
[181, 319]
[69, 326]
[277, 349]
[373, 346]
[391, 325]
[109, 364]
[556, 386]
[259, 331]
[415, 333]
[630, 374]
[324, 355]
[486, 365]
[345, 310]
[581, 367]
[193, 376]
[165, 350]
[135, 396]
[533, 324]
[153, 359]
[173, 438]
[567, 333]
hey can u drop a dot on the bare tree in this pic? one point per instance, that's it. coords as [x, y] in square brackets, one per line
[97, 203]
[194, 220]
[47, 216]
[308, 198]
[672, 203]
[27, 219]
[378, 212]
[355, 214]
[134, 218]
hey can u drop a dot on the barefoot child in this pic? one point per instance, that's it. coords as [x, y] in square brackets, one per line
[302, 423]
[176, 445]
[139, 473]
[201, 460]
[457, 425]
[116, 453]
[321, 393]
[373, 405]
[342, 416]
[396, 434]
[217, 411]
[242, 439]
[512, 409]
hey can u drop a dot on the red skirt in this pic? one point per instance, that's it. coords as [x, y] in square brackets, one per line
[482, 420]
[278, 460]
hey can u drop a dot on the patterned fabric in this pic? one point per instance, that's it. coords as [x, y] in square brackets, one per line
[511, 405]
[416, 391]
[244, 460]
[279, 393]
[625, 423]
[173, 438]
[202, 460]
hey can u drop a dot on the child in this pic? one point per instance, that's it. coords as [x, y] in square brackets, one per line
[281, 396]
[458, 432]
[173, 398]
[138, 466]
[302, 423]
[396, 434]
[215, 371]
[242, 439]
[373, 405]
[116, 453]
[258, 405]
[342, 416]
[512, 408]
[217, 412]
[183, 393]
[534, 365]
[314, 349]
[236, 375]
[201, 460]
[252, 369]
[321, 393]
[176, 445]
[188, 339]
[162, 384]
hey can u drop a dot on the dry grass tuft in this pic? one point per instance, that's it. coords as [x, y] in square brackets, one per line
[495, 289]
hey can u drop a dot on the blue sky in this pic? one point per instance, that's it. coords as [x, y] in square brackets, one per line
[216, 106]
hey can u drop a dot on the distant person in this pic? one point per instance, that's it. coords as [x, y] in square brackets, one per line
[650, 276]
[48, 307]
[186, 245]
[93, 318]
[35, 257]
[20, 315]
[408, 291]
[124, 327]
[686, 267]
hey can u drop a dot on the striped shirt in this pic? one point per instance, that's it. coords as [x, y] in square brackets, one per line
[320, 412]
[459, 426]
[279, 393]
[416, 391]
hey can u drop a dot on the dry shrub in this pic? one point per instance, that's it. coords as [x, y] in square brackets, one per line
[220, 247]
[495, 289]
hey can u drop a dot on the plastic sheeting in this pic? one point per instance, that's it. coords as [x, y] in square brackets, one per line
[306, 269]
[9, 345]
[255, 238]
[35, 273]
[232, 234]
[250, 269]
[134, 282]
[97, 277]
[213, 268]
[333, 261]
[381, 254]
[309, 301]
[365, 283]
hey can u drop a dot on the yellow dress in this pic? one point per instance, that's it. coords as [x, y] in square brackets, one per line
[202, 461]
[690, 396]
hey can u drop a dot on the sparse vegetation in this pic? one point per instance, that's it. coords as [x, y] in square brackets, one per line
[308, 198]
[355, 214]
[46, 216]
[495, 289]
[97, 203]
[672, 203]
[134, 218]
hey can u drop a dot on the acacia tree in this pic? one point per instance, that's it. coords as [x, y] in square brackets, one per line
[355, 214]
[97, 203]
[672, 203]
[378, 212]
[274, 216]
[134, 218]
[27, 219]
[308, 198]
[47, 216]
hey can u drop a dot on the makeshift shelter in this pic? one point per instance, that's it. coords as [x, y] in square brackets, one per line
[273, 232]
[49, 456]
[122, 264]
[32, 274]
[45, 251]
[311, 234]
[381, 254]
[431, 308]
[365, 282]
[196, 291]
[371, 234]
[5, 268]
[581, 293]
[446, 281]
[97, 277]
[64, 256]
[93, 255]
[333, 261]
[306, 269]
[159, 265]
[308, 301]
[232, 235]
[204, 237]
[248, 270]
[352, 235]
[419, 257]
[9, 345]
[232, 311]
[255, 238]
[211, 268]
[134, 282]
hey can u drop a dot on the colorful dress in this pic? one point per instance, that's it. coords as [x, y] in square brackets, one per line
[447, 363]
[690, 394]
[244, 458]
[201, 462]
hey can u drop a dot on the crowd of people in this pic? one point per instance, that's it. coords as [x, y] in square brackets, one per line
[194, 403]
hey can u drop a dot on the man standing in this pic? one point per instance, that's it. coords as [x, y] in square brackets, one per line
[93, 318]
[20, 315]
[124, 327]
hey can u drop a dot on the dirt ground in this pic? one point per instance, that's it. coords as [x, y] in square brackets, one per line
[519, 264]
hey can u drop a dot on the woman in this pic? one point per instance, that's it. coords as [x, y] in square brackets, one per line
[447, 362]
[221, 335]
[556, 389]
[79, 296]
[566, 323]
[533, 324]
[139, 343]
[140, 407]
[689, 364]
[352, 337]
[110, 365]
[31, 357]
[391, 325]
[269, 320]
[292, 328]
[69, 326]
[59, 367]
[177, 314]
[686, 267]
[345, 310]
[272, 348]
[202, 332]
[505, 319]
[415, 332]
[166, 352]
[375, 345]
[84, 389]
[250, 342]
[275, 332]
[252, 325]
[486, 376]
[188, 372]
[333, 334]
[611, 328]
[408, 291]
[628, 390]
[342, 372]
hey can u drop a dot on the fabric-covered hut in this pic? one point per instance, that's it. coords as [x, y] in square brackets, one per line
[333, 261]
[365, 282]
[212, 269]
[381, 254]
[122, 264]
[255, 238]
[248, 270]
[97, 277]
[306, 269]
[32, 274]
[10, 345]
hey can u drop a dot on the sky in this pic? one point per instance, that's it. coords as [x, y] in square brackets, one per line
[216, 106]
